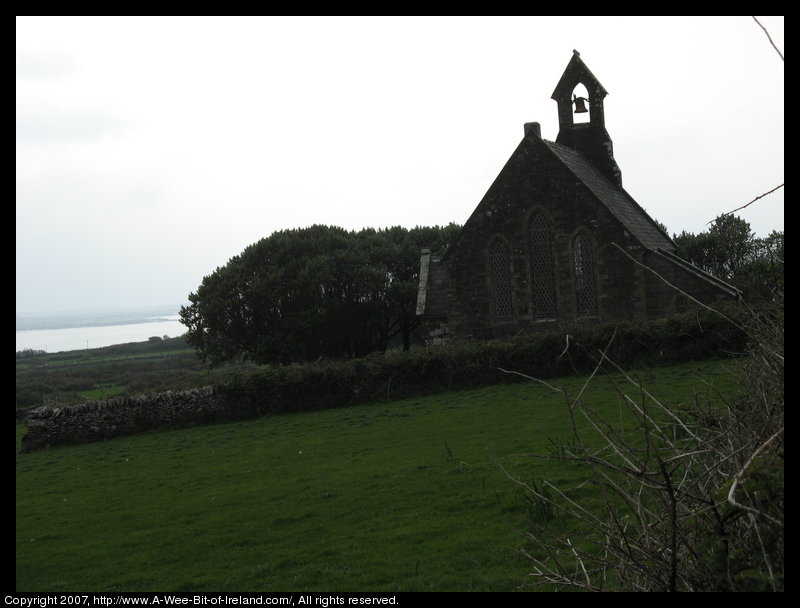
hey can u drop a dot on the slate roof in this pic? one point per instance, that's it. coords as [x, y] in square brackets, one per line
[618, 202]
[701, 274]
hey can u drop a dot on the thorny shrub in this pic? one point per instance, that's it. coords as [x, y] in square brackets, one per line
[694, 497]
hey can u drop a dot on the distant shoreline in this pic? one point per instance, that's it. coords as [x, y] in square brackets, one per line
[96, 318]
[100, 334]
[55, 324]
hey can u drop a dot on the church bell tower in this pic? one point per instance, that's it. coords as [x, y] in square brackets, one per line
[590, 138]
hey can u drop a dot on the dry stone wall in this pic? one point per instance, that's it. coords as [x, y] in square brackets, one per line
[99, 420]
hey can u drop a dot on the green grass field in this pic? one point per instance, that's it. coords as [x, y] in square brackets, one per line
[140, 367]
[395, 496]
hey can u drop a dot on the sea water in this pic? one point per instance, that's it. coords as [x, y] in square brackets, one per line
[79, 338]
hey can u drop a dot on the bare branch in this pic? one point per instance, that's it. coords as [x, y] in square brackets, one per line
[580, 561]
[550, 386]
[663, 485]
[667, 410]
[769, 38]
[566, 348]
[765, 557]
[748, 204]
[741, 473]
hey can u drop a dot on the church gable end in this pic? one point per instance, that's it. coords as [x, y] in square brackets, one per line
[557, 239]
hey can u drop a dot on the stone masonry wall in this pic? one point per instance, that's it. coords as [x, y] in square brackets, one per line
[99, 420]
[505, 212]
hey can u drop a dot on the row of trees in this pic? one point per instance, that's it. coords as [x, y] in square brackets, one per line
[29, 352]
[729, 250]
[313, 292]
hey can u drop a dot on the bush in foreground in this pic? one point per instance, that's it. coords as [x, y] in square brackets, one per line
[694, 498]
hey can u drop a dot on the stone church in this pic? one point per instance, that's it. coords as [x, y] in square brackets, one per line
[556, 238]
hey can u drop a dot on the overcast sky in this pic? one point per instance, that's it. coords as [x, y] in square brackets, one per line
[150, 150]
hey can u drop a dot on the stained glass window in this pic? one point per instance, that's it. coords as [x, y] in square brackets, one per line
[544, 296]
[585, 285]
[501, 279]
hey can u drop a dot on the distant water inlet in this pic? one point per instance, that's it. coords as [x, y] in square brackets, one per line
[79, 338]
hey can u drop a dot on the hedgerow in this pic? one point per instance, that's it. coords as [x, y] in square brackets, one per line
[329, 384]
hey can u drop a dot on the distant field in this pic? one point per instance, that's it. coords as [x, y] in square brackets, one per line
[395, 496]
[101, 373]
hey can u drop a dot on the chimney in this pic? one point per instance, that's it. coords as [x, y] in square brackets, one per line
[533, 128]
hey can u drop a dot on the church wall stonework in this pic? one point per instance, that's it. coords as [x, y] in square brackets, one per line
[671, 291]
[505, 213]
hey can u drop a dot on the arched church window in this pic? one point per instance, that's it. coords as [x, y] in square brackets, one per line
[542, 277]
[585, 284]
[501, 279]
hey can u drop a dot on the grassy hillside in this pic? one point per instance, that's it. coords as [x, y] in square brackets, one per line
[400, 496]
[101, 373]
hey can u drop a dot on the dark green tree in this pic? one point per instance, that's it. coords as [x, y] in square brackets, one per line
[694, 248]
[730, 250]
[313, 292]
[398, 251]
[762, 278]
[732, 246]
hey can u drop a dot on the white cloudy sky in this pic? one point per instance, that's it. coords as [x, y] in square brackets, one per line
[150, 150]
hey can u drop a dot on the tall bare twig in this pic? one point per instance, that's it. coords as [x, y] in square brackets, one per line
[738, 477]
[748, 204]
[769, 38]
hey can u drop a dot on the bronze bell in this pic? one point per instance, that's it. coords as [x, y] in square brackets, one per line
[580, 106]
